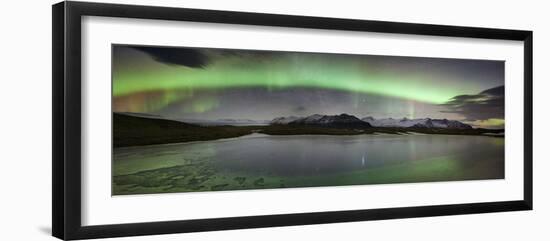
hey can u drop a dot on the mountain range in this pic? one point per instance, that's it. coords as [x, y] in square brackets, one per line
[417, 123]
[341, 121]
[338, 121]
[226, 121]
[135, 129]
[350, 121]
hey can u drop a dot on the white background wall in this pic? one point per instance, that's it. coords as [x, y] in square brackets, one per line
[25, 99]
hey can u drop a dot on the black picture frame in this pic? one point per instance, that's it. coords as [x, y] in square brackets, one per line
[66, 168]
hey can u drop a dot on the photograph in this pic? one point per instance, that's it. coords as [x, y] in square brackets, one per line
[203, 119]
[177, 119]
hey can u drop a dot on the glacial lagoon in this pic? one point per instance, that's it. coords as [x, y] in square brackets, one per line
[260, 161]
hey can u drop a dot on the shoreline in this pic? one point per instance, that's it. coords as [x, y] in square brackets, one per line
[255, 134]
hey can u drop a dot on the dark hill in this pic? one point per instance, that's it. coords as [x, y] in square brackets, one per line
[135, 131]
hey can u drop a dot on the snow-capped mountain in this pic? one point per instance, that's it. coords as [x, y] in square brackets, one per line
[284, 120]
[223, 122]
[228, 121]
[342, 120]
[350, 121]
[417, 123]
[453, 124]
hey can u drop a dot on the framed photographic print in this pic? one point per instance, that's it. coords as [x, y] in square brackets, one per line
[170, 120]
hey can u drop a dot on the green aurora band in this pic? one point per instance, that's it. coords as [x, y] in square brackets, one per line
[291, 71]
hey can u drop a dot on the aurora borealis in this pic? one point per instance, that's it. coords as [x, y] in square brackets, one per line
[210, 84]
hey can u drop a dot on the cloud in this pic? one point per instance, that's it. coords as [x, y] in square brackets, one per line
[489, 123]
[488, 104]
[187, 57]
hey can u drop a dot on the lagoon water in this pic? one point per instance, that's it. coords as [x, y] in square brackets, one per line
[398, 158]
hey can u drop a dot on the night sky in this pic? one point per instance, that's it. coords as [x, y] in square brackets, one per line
[212, 84]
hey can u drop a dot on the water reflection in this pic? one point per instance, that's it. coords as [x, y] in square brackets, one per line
[314, 155]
